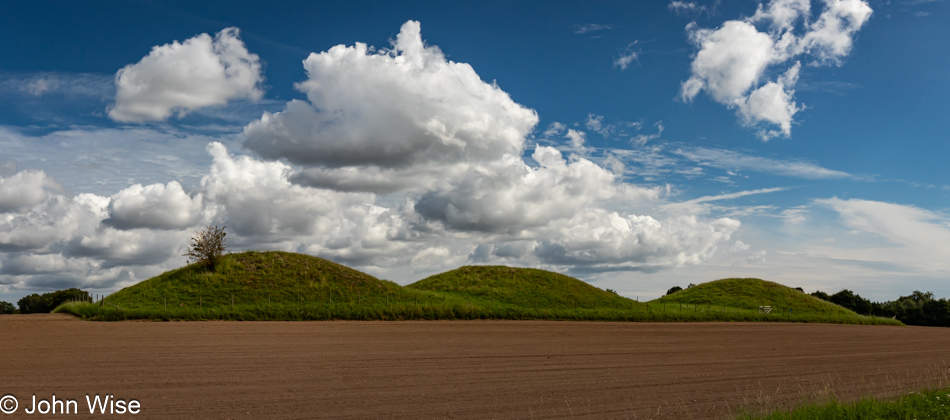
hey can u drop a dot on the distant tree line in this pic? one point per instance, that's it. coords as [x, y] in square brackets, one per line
[45, 303]
[7, 308]
[918, 308]
[675, 289]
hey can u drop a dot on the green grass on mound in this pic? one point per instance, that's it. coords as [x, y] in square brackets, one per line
[523, 287]
[752, 293]
[749, 294]
[248, 285]
[287, 286]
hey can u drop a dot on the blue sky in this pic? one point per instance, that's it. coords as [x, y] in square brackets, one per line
[635, 145]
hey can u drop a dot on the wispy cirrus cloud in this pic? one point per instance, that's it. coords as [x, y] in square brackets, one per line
[37, 85]
[736, 161]
[591, 27]
[738, 194]
[652, 158]
[99, 160]
[868, 239]
[627, 56]
[902, 225]
[702, 204]
[687, 7]
[829, 86]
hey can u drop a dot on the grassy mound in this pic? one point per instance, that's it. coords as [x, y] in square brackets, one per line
[752, 293]
[249, 285]
[287, 286]
[257, 276]
[522, 287]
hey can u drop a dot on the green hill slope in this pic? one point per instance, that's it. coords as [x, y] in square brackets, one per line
[752, 293]
[523, 287]
[251, 285]
[288, 286]
[250, 276]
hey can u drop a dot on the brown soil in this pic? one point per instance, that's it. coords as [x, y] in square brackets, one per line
[460, 369]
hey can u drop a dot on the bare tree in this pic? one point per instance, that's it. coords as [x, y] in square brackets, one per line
[207, 246]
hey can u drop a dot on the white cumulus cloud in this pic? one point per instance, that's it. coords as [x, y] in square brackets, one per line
[402, 114]
[830, 38]
[444, 149]
[509, 196]
[154, 206]
[399, 161]
[602, 240]
[32, 264]
[782, 15]
[730, 60]
[256, 198]
[51, 223]
[181, 77]
[25, 189]
[772, 102]
[734, 60]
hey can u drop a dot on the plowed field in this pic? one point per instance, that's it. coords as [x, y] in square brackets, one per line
[458, 369]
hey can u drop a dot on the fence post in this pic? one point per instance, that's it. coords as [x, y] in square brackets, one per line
[165, 302]
[232, 301]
